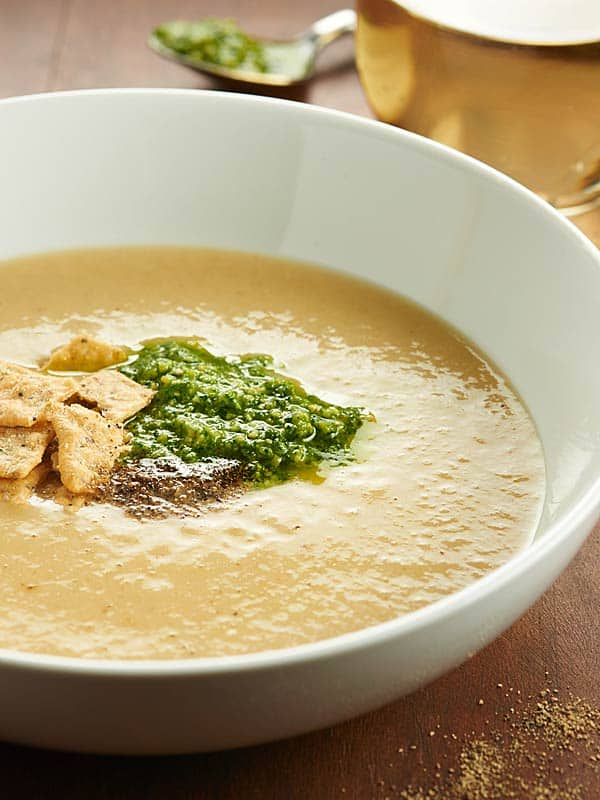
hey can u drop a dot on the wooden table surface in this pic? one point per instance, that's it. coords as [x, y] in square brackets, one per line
[47, 45]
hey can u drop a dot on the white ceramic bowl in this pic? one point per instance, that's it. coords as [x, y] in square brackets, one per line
[149, 167]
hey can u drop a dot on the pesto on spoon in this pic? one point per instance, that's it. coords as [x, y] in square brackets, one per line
[220, 47]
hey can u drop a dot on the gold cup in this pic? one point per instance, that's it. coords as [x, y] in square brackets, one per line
[526, 101]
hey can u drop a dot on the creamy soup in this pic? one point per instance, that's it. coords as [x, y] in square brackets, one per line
[445, 485]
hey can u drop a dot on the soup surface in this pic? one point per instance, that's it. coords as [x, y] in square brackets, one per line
[446, 484]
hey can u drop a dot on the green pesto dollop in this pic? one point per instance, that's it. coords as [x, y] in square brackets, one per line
[214, 41]
[235, 407]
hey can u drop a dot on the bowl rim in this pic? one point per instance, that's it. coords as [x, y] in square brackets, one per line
[524, 561]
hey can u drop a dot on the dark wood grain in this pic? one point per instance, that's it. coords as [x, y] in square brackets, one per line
[65, 44]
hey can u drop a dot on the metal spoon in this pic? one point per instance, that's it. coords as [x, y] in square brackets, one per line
[290, 61]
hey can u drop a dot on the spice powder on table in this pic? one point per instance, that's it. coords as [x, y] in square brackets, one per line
[535, 759]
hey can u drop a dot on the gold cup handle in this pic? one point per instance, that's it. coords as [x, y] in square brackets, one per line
[584, 176]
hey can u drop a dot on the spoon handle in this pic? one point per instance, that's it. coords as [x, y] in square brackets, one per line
[329, 28]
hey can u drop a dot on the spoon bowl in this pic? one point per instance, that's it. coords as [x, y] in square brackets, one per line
[287, 62]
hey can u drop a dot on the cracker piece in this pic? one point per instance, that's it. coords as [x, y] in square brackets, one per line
[24, 394]
[116, 396]
[88, 446]
[21, 489]
[22, 449]
[84, 354]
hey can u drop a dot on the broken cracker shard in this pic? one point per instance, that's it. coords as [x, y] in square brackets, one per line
[22, 449]
[25, 394]
[115, 395]
[88, 446]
